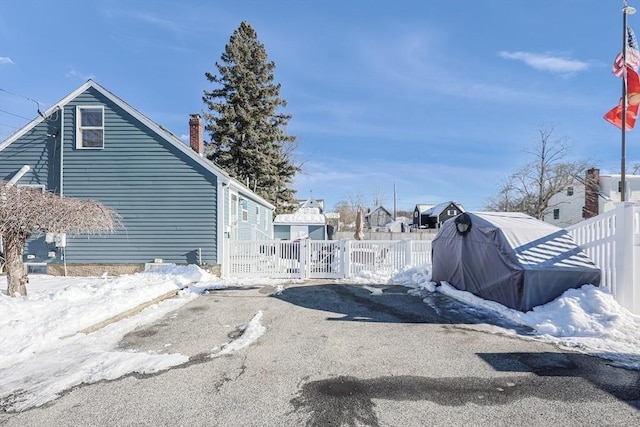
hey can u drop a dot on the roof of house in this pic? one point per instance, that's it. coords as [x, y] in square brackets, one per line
[311, 203]
[308, 216]
[158, 129]
[379, 208]
[439, 208]
[423, 207]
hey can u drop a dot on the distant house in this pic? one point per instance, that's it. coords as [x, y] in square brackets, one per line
[176, 205]
[378, 218]
[302, 224]
[432, 216]
[590, 196]
[312, 203]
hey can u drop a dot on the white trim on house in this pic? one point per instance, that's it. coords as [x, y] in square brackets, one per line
[80, 143]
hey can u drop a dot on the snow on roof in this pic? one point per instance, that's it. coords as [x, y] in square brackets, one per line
[310, 216]
[439, 208]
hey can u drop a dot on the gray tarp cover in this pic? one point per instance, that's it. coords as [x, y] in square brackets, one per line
[511, 258]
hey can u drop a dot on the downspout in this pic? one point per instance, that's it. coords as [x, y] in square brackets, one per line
[62, 151]
[63, 250]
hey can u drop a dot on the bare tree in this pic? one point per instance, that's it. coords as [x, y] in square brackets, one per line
[530, 189]
[26, 211]
[348, 208]
[379, 197]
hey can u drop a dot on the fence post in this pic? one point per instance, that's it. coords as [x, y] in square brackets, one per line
[346, 257]
[305, 258]
[624, 286]
[635, 258]
[226, 257]
[408, 252]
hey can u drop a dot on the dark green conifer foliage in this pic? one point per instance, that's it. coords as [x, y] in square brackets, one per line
[247, 129]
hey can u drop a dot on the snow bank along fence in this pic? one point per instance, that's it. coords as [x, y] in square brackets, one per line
[321, 259]
[612, 240]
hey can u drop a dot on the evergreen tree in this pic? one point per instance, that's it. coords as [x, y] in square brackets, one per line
[248, 133]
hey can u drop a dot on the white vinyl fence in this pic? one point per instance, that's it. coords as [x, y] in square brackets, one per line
[612, 240]
[308, 259]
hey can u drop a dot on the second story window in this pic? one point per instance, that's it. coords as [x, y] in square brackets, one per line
[90, 127]
[569, 191]
[556, 214]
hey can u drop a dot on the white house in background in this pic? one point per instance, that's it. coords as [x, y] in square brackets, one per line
[312, 203]
[590, 196]
[305, 222]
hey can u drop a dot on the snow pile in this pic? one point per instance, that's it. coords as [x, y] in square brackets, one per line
[43, 350]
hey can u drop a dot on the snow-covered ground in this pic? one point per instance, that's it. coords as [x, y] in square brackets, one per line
[48, 342]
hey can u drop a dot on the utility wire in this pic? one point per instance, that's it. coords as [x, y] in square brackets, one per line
[25, 97]
[13, 114]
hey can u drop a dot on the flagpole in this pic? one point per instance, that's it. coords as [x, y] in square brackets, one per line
[626, 10]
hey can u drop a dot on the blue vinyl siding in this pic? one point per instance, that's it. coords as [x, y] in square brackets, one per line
[167, 201]
[38, 149]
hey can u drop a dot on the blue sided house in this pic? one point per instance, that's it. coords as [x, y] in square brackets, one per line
[177, 206]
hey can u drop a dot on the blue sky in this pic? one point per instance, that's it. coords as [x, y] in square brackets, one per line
[441, 98]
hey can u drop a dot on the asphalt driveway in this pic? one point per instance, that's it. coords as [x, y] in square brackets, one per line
[341, 354]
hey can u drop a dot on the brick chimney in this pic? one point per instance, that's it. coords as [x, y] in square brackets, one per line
[195, 134]
[591, 191]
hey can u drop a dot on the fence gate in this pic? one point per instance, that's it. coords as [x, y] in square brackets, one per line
[321, 259]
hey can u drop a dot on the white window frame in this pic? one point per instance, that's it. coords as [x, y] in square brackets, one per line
[452, 212]
[257, 214]
[80, 128]
[244, 206]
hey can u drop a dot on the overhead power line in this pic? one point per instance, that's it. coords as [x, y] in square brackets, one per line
[13, 114]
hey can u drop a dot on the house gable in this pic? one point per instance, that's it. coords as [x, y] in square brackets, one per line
[379, 217]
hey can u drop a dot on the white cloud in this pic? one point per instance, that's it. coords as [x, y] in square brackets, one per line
[77, 75]
[547, 62]
[6, 60]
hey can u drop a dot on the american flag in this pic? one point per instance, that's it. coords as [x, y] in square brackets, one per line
[632, 55]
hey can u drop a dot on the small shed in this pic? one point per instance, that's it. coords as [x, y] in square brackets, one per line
[302, 224]
[511, 258]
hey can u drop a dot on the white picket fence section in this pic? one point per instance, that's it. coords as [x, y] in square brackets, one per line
[612, 240]
[321, 259]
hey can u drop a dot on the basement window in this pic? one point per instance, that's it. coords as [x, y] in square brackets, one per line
[90, 127]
